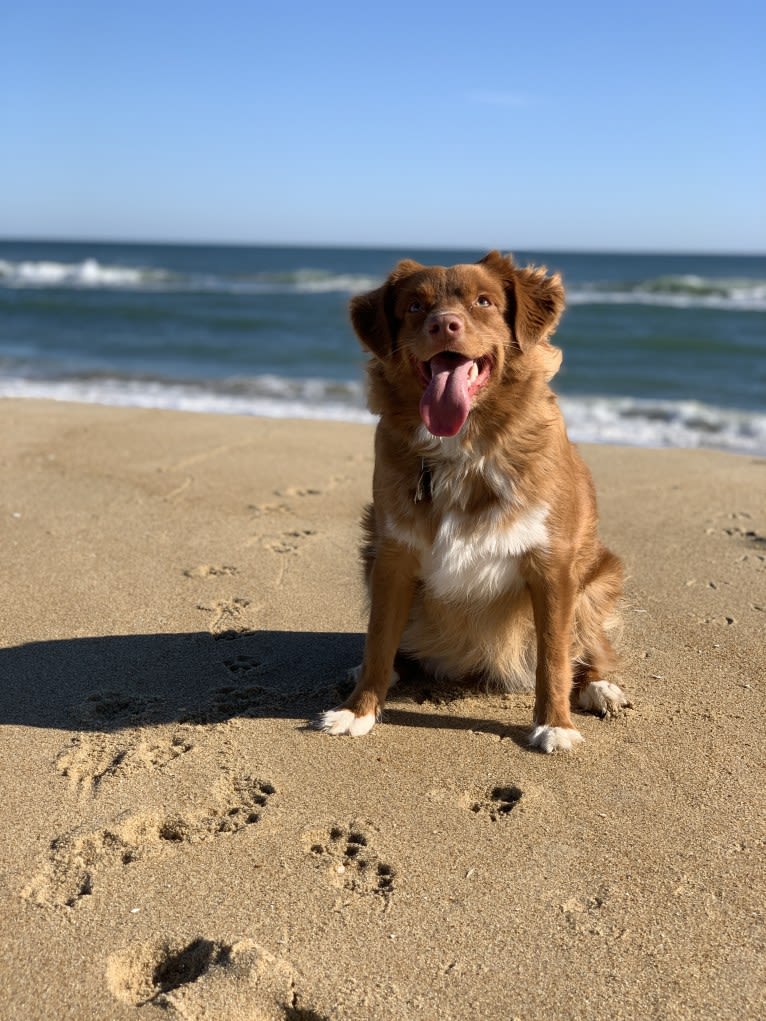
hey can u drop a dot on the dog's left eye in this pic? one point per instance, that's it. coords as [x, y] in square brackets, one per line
[483, 301]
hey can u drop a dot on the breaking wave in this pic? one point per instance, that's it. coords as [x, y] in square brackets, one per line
[680, 291]
[616, 420]
[92, 274]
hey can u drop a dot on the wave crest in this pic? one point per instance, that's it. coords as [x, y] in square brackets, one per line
[677, 291]
[90, 273]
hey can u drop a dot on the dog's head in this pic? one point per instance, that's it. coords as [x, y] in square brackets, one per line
[448, 341]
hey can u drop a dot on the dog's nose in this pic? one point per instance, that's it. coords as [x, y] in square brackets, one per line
[444, 326]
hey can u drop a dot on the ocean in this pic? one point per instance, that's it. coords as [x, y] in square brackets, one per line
[659, 350]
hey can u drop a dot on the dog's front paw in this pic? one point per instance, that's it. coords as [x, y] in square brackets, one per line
[344, 721]
[555, 739]
[603, 698]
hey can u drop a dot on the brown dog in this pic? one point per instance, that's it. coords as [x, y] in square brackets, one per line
[481, 556]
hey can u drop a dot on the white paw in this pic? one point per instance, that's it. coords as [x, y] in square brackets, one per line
[343, 721]
[602, 698]
[555, 739]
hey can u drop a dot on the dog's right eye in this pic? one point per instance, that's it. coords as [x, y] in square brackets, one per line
[416, 306]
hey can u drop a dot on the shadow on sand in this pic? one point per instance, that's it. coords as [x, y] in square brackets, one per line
[113, 682]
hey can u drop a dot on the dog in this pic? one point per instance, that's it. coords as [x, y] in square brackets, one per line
[481, 551]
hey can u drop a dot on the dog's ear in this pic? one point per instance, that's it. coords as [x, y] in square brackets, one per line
[539, 304]
[535, 299]
[373, 315]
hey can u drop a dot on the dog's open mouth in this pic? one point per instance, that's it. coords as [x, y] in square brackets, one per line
[451, 381]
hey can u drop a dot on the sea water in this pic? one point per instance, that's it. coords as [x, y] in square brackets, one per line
[659, 350]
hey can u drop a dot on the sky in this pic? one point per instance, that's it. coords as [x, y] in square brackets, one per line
[588, 126]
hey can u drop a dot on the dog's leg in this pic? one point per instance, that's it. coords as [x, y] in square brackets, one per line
[596, 605]
[392, 585]
[553, 602]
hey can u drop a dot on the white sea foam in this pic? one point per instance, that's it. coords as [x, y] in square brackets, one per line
[628, 421]
[271, 397]
[654, 423]
[309, 281]
[681, 291]
[90, 273]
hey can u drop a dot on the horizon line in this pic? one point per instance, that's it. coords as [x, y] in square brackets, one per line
[384, 246]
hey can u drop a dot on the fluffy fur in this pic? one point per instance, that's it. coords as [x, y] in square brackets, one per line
[481, 551]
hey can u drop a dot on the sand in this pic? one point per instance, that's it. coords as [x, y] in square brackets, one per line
[181, 593]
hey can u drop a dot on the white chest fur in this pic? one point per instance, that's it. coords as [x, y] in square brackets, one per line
[481, 558]
[477, 556]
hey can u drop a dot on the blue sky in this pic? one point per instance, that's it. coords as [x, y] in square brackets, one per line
[529, 126]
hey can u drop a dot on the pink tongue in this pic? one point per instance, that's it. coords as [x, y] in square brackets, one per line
[445, 405]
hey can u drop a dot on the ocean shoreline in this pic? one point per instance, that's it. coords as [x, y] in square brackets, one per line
[685, 425]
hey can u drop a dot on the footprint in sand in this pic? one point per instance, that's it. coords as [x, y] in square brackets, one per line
[76, 859]
[352, 862]
[210, 571]
[334, 482]
[498, 803]
[210, 979]
[242, 666]
[115, 708]
[228, 701]
[255, 690]
[241, 698]
[90, 759]
[749, 534]
[260, 510]
[289, 542]
[229, 618]
[586, 915]
[117, 741]
[300, 491]
[755, 540]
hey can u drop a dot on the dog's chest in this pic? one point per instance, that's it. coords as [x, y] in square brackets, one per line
[481, 558]
[477, 556]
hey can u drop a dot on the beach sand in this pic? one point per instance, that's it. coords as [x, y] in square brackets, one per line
[182, 592]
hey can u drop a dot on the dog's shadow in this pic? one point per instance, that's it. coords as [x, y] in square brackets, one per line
[113, 682]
